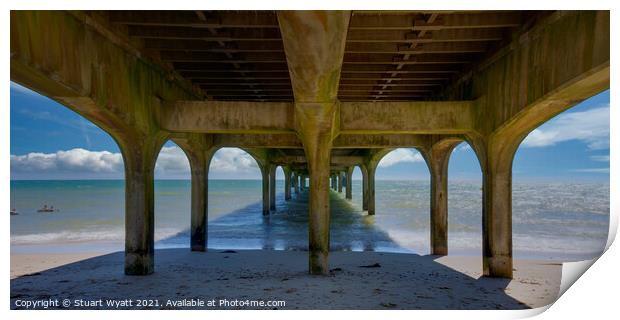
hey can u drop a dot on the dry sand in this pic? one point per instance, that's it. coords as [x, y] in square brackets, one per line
[400, 281]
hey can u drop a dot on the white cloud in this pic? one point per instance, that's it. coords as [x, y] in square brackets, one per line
[592, 170]
[463, 146]
[591, 127]
[171, 163]
[400, 156]
[232, 160]
[74, 160]
[600, 158]
[171, 160]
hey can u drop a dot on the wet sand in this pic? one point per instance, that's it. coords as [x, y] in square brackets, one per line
[395, 280]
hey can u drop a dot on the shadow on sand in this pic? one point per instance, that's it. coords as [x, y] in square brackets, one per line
[358, 280]
[286, 228]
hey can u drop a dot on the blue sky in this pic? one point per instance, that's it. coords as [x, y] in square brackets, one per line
[49, 141]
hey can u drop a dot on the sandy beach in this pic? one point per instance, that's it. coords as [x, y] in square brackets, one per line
[358, 280]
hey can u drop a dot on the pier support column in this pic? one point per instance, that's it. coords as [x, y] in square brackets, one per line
[199, 153]
[340, 177]
[264, 170]
[314, 61]
[364, 188]
[198, 224]
[272, 187]
[496, 155]
[303, 182]
[371, 168]
[287, 183]
[314, 127]
[349, 185]
[437, 158]
[139, 156]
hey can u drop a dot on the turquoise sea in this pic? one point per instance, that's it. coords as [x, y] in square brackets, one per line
[560, 221]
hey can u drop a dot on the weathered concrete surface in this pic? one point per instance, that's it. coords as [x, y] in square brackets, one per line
[139, 160]
[248, 140]
[272, 187]
[76, 61]
[80, 61]
[349, 181]
[496, 158]
[314, 63]
[315, 123]
[199, 150]
[540, 68]
[287, 183]
[360, 141]
[522, 86]
[360, 118]
[264, 170]
[370, 167]
[437, 158]
[364, 187]
[80, 64]
[335, 160]
[314, 44]
[448, 117]
[228, 117]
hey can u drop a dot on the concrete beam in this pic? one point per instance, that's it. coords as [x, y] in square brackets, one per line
[359, 141]
[342, 161]
[451, 117]
[228, 117]
[559, 62]
[378, 118]
[280, 141]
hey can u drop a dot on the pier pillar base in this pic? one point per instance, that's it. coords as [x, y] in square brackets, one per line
[264, 170]
[364, 188]
[287, 184]
[272, 187]
[314, 127]
[371, 168]
[437, 158]
[496, 154]
[139, 156]
[199, 153]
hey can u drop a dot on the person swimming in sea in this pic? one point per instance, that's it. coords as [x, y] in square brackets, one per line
[46, 209]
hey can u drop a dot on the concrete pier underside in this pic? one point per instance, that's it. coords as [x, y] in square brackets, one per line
[355, 86]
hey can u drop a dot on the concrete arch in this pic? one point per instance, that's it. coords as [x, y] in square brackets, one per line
[139, 151]
[437, 157]
[495, 153]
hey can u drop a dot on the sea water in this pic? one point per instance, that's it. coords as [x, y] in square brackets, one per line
[560, 221]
